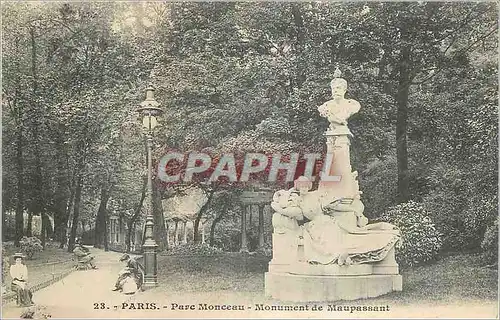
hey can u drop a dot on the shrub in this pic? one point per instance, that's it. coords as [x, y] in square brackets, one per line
[266, 250]
[460, 208]
[201, 249]
[228, 237]
[30, 246]
[446, 209]
[420, 241]
[489, 244]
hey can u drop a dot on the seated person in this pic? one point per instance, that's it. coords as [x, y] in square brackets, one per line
[83, 254]
[19, 274]
[130, 278]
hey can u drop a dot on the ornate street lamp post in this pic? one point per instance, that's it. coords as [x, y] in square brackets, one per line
[149, 111]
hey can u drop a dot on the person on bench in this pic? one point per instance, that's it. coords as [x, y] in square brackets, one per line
[19, 274]
[83, 254]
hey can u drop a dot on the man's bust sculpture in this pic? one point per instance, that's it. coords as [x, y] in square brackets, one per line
[339, 109]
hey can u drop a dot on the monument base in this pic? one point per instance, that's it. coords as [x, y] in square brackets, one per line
[278, 267]
[305, 268]
[315, 288]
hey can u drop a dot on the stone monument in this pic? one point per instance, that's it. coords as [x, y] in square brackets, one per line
[324, 249]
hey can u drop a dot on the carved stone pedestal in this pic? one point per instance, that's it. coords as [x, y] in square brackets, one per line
[388, 265]
[305, 268]
[304, 282]
[321, 288]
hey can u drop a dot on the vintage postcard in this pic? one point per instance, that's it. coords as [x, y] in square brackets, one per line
[316, 159]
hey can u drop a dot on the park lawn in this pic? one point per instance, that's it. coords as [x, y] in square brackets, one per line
[227, 271]
[454, 279]
[45, 265]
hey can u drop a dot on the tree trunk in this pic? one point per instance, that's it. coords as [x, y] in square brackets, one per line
[203, 209]
[402, 120]
[106, 231]
[132, 222]
[212, 231]
[167, 231]
[214, 224]
[120, 228]
[45, 228]
[250, 214]
[261, 226]
[68, 215]
[78, 179]
[136, 235]
[301, 32]
[176, 233]
[59, 221]
[35, 126]
[20, 189]
[61, 196]
[202, 233]
[76, 212]
[29, 228]
[100, 220]
[244, 246]
[184, 238]
[50, 226]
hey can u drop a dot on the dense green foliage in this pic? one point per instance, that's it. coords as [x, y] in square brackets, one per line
[420, 240]
[30, 246]
[240, 77]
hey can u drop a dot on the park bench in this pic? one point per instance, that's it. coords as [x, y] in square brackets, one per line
[81, 265]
